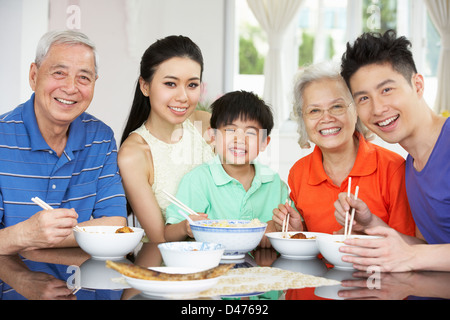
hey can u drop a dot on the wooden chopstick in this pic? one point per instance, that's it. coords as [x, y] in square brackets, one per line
[353, 213]
[41, 203]
[346, 212]
[178, 203]
[284, 228]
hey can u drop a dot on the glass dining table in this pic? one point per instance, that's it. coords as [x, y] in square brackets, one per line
[71, 274]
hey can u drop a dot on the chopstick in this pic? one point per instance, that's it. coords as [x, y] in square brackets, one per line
[353, 214]
[178, 203]
[41, 203]
[346, 212]
[284, 228]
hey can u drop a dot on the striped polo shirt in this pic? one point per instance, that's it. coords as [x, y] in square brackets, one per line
[85, 177]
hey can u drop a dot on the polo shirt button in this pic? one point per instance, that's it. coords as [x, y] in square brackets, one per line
[51, 152]
[54, 186]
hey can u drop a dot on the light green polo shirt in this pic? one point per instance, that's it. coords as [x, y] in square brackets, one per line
[209, 189]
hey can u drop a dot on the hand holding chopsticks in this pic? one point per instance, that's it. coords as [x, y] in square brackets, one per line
[44, 205]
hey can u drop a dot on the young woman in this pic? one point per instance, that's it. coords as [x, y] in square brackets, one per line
[164, 136]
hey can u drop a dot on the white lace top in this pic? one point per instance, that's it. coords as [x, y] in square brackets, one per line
[172, 161]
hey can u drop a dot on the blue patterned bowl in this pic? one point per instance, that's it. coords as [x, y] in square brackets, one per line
[238, 236]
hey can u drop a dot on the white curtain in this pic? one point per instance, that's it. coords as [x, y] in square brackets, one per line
[439, 11]
[275, 16]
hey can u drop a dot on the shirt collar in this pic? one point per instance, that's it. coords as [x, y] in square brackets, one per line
[77, 134]
[365, 163]
[262, 173]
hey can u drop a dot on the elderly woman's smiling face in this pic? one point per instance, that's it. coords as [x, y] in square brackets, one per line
[328, 113]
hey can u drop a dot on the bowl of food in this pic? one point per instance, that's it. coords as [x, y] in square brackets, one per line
[329, 245]
[238, 236]
[108, 242]
[295, 244]
[201, 255]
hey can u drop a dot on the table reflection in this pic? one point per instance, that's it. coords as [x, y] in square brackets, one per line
[54, 274]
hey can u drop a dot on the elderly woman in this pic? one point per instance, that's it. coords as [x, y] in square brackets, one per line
[327, 117]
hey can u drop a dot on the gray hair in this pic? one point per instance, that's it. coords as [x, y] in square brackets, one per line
[68, 37]
[308, 75]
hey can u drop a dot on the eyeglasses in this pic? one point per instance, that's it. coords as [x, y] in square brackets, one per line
[314, 113]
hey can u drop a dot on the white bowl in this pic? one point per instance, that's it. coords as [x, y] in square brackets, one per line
[329, 245]
[202, 255]
[294, 248]
[102, 243]
[314, 267]
[161, 289]
[238, 239]
[332, 292]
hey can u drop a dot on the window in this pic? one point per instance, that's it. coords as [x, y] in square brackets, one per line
[253, 48]
[324, 27]
[321, 31]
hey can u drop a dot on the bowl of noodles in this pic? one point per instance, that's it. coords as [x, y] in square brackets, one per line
[238, 236]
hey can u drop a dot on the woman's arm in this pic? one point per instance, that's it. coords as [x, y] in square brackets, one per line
[136, 168]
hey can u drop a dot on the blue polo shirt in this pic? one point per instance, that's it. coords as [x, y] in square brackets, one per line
[85, 177]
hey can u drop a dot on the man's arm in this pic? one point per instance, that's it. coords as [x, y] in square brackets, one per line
[47, 228]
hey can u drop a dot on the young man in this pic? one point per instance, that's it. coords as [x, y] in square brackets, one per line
[51, 149]
[232, 185]
[388, 93]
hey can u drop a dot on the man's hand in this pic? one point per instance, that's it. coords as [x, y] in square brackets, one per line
[47, 228]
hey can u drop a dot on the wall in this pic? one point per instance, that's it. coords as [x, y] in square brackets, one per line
[22, 22]
[113, 27]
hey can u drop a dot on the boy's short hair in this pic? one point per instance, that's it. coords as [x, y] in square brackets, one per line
[377, 48]
[241, 105]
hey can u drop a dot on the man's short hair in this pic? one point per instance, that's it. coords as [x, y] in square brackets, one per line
[377, 48]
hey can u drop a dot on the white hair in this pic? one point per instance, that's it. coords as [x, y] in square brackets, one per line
[68, 37]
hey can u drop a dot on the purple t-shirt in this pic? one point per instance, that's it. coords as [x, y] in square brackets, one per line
[429, 191]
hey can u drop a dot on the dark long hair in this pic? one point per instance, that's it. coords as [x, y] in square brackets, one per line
[160, 51]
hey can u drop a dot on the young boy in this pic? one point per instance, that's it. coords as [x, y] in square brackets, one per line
[388, 93]
[233, 185]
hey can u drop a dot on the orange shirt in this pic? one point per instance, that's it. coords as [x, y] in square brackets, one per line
[380, 175]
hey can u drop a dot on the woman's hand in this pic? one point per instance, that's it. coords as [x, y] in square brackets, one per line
[279, 214]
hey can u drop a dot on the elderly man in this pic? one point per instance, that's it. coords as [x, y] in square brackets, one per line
[52, 149]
